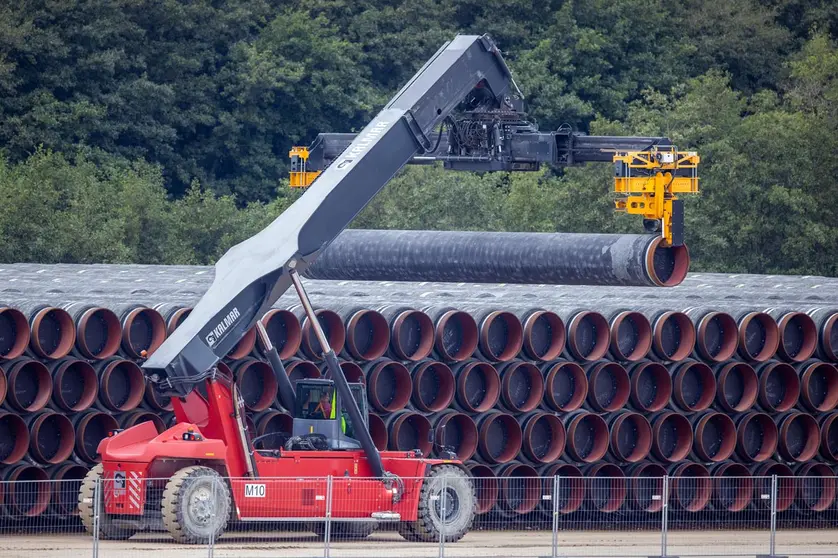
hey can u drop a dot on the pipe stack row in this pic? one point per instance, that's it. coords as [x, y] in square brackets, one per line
[614, 385]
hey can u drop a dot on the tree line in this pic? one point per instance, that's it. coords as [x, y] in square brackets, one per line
[157, 131]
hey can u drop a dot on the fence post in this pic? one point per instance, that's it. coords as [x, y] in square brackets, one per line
[665, 515]
[213, 499]
[772, 536]
[97, 498]
[327, 530]
[555, 516]
[442, 516]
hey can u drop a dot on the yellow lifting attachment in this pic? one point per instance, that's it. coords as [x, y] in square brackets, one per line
[647, 183]
[299, 177]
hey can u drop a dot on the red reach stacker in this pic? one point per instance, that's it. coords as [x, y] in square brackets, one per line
[212, 473]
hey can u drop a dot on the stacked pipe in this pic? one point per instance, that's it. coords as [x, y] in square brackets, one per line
[712, 379]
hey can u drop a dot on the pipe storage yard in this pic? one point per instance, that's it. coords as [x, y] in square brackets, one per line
[719, 376]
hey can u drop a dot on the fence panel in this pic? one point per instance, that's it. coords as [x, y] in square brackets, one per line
[807, 514]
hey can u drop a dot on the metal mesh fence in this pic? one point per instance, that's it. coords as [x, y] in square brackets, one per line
[197, 513]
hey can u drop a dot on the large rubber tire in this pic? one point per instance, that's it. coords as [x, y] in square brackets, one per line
[196, 505]
[461, 501]
[345, 530]
[108, 528]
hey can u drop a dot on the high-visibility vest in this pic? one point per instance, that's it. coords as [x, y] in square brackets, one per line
[333, 411]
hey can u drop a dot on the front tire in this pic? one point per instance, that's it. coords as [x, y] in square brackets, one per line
[460, 503]
[196, 505]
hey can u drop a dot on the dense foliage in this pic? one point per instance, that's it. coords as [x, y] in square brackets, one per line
[158, 130]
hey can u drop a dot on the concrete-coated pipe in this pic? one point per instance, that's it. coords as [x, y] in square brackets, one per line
[378, 432]
[91, 428]
[52, 331]
[651, 386]
[408, 431]
[28, 491]
[133, 418]
[14, 438]
[367, 331]
[714, 437]
[587, 436]
[733, 486]
[608, 487]
[121, 385]
[98, 330]
[434, 386]
[716, 336]
[673, 336]
[51, 437]
[173, 314]
[826, 322]
[779, 386]
[693, 385]
[631, 436]
[520, 488]
[818, 386]
[29, 385]
[588, 335]
[502, 257]
[816, 486]
[256, 382]
[455, 432]
[672, 436]
[455, 333]
[143, 330]
[522, 386]
[66, 481]
[245, 345]
[571, 488]
[284, 331]
[14, 333]
[565, 386]
[798, 336]
[544, 437]
[786, 485]
[478, 386]
[156, 401]
[276, 426]
[499, 437]
[411, 332]
[757, 437]
[545, 335]
[759, 336]
[690, 486]
[389, 385]
[799, 436]
[298, 369]
[486, 487]
[74, 385]
[333, 329]
[737, 386]
[645, 486]
[829, 437]
[631, 336]
[608, 386]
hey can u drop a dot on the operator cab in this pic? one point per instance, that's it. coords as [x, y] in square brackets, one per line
[320, 418]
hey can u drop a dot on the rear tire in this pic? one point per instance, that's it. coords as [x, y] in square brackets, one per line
[196, 505]
[108, 528]
[460, 503]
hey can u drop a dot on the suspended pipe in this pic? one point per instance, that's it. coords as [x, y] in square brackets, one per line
[74, 385]
[455, 333]
[522, 386]
[779, 386]
[14, 438]
[829, 437]
[455, 432]
[501, 257]
[378, 432]
[27, 491]
[408, 431]
[411, 332]
[98, 330]
[565, 386]
[732, 485]
[608, 487]
[816, 486]
[757, 437]
[818, 386]
[520, 489]
[545, 334]
[478, 386]
[645, 486]
[693, 385]
[143, 330]
[14, 333]
[672, 436]
[389, 386]
[284, 331]
[631, 336]
[736, 387]
[690, 486]
[486, 487]
[66, 481]
[571, 489]
[256, 383]
[631, 436]
[434, 386]
[544, 437]
[587, 436]
[121, 385]
[133, 418]
[651, 386]
[499, 437]
[29, 385]
[91, 428]
[714, 436]
[786, 485]
[799, 436]
[608, 386]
